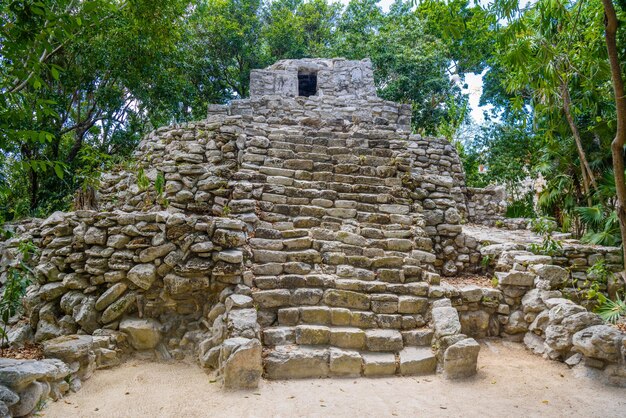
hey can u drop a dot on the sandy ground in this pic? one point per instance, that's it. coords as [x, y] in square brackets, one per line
[510, 383]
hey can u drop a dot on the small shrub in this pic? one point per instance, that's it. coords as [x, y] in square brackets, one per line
[143, 182]
[597, 279]
[18, 279]
[523, 208]
[549, 245]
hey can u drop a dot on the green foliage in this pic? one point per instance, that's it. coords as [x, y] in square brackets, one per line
[612, 310]
[143, 182]
[596, 283]
[544, 53]
[486, 261]
[544, 227]
[522, 208]
[508, 150]
[159, 188]
[18, 279]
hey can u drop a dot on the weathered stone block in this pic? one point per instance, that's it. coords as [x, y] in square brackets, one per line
[347, 337]
[312, 335]
[417, 361]
[303, 362]
[379, 364]
[345, 363]
[445, 321]
[240, 363]
[143, 333]
[346, 299]
[383, 340]
[142, 275]
[460, 359]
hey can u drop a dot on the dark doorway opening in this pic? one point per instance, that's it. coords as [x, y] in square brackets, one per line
[307, 83]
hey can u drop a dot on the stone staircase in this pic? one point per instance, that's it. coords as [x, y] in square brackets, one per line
[339, 257]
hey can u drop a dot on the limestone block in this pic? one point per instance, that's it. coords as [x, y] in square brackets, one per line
[460, 359]
[383, 340]
[29, 398]
[152, 253]
[555, 276]
[86, 315]
[7, 396]
[110, 296]
[475, 323]
[345, 362]
[272, 298]
[177, 285]
[346, 299]
[340, 316]
[416, 361]
[412, 304]
[142, 275]
[417, 337]
[600, 342]
[284, 363]
[379, 364]
[95, 236]
[243, 323]
[516, 324]
[118, 308]
[238, 302]
[69, 348]
[515, 278]
[230, 256]
[312, 335]
[561, 311]
[240, 363]
[52, 291]
[143, 333]
[445, 321]
[279, 336]
[344, 337]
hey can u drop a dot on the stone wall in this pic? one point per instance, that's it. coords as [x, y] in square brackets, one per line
[439, 182]
[95, 268]
[486, 206]
[534, 302]
[196, 161]
[335, 77]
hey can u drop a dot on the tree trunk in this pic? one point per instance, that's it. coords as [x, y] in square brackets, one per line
[79, 134]
[587, 174]
[34, 188]
[617, 146]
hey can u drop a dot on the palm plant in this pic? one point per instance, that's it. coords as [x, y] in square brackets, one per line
[612, 310]
[600, 220]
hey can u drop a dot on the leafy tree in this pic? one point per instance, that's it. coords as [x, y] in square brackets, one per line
[611, 23]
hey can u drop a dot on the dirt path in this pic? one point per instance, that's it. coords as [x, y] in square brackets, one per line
[511, 382]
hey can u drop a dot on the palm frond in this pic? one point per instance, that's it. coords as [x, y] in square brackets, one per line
[611, 311]
[592, 216]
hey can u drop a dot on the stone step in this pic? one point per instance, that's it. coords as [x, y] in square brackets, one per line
[297, 362]
[344, 317]
[347, 337]
[346, 291]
